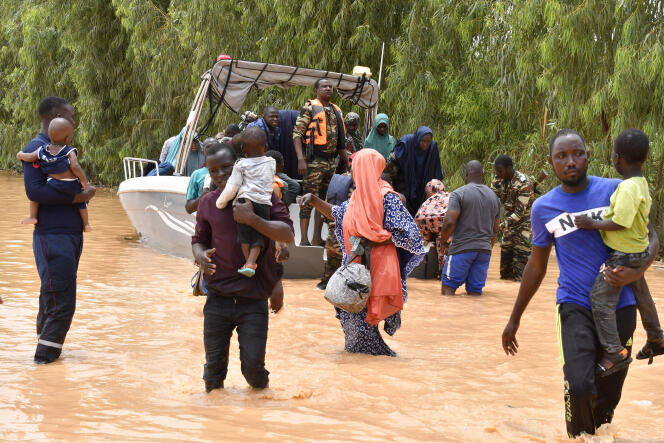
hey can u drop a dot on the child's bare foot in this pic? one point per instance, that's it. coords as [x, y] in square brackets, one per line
[30, 221]
[87, 228]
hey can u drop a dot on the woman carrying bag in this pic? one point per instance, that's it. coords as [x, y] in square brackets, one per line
[375, 213]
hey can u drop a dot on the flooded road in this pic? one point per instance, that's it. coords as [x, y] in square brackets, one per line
[132, 364]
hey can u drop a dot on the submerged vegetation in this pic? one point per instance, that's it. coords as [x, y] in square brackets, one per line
[487, 76]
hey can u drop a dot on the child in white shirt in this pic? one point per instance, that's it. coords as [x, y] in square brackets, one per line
[251, 179]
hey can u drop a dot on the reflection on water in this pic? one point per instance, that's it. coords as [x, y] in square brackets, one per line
[132, 364]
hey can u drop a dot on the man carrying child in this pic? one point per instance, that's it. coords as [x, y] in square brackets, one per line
[589, 400]
[57, 240]
[234, 301]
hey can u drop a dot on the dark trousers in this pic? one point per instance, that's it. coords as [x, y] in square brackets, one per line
[589, 400]
[246, 234]
[165, 168]
[222, 314]
[56, 256]
[506, 263]
[604, 299]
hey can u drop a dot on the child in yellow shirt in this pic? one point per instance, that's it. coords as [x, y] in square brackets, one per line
[625, 230]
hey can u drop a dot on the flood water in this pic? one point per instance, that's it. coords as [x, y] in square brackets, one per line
[133, 360]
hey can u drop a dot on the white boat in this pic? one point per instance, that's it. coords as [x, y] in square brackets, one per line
[155, 204]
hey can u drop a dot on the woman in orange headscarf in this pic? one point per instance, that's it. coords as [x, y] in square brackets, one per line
[375, 213]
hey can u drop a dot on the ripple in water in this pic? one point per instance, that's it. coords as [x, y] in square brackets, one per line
[132, 364]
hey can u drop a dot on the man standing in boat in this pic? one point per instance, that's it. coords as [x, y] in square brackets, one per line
[57, 241]
[319, 137]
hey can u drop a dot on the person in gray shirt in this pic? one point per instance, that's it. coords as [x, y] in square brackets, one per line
[472, 219]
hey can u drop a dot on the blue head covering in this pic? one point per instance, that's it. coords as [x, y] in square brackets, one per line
[419, 167]
[194, 159]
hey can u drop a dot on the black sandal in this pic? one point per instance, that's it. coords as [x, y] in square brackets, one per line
[649, 351]
[619, 364]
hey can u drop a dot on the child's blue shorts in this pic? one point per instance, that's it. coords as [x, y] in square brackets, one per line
[69, 187]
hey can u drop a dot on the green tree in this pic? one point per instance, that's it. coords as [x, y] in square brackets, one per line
[488, 77]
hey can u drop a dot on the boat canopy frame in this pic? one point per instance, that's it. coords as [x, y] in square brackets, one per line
[230, 81]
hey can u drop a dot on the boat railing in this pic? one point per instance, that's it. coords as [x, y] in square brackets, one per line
[130, 164]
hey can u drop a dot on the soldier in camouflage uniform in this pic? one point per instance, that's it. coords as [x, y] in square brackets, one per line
[319, 136]
[516, 192]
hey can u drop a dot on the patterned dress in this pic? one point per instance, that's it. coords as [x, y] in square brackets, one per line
[431, 216]
[361, 337]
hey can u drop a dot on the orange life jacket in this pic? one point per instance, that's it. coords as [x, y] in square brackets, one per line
[318, 124]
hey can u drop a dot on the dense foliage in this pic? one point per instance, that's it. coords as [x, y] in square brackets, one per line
[487, 76]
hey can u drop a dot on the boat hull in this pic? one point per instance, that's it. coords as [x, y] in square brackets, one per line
[155, 206]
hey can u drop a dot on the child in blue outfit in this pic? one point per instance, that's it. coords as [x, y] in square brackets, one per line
[59, 162]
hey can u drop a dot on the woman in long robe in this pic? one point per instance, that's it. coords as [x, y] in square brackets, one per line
[414, 163]
[287, 119]
[375, 212]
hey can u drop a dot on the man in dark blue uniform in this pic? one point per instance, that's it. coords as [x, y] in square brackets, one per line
[57, 241]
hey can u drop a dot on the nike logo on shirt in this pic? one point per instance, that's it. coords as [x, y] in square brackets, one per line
[563, 224]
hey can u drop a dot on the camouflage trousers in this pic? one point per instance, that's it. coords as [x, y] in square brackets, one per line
[333, 253]
[514, 252]
[319, 174]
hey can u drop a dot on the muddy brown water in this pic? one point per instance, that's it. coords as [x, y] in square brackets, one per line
[132, 363]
